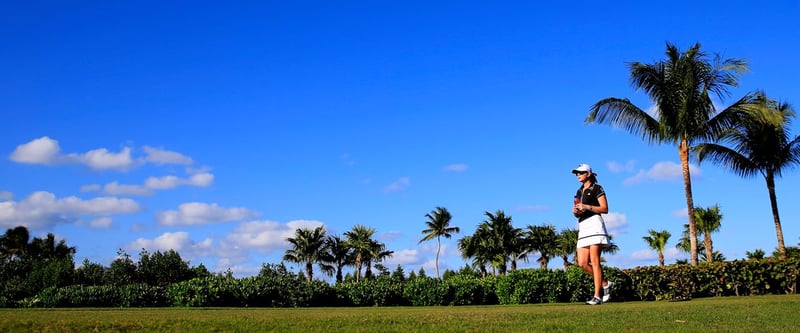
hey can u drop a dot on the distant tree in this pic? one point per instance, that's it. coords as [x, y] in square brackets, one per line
[309, 248]
[438, 226]
[791, 252]
[341, 254]
[757, 254]
[360, 240]
[476, 249]
[14, 243]
[47, 249]
[567, 244]
[544, 240]
[657, 241]
[708, 221]
[399, 274]
[681, 87]
[122, 270]
[494, 242]
[716, 256]
[163, 268]
[377, 254]
[382, 270]
[90, 274]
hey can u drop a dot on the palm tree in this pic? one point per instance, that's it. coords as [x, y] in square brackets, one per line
[567, 244]
[499, 232]
[543, 239]
[14, 243]
[47, 249]
[757, 254]
[680, 87]
[657, 241]
[360, 240]
[438, 225]
[309, 247]
[477, 249]
[377, 253]
[760, 145]
[341, 255]
[708, 220]
[494, 241]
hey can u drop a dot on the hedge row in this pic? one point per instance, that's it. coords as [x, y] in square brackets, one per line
[525, 286]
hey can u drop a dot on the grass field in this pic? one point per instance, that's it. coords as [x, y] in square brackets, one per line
[732, 314]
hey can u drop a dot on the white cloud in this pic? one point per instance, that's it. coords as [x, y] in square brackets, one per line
[168, 182]
[90, 188]
[195, 213]
[160, 156]
[681, 213]
[46, 151]
[458, 167]
[615, 222]
[43, 209]
[258, 236]
[616, 167]
[178, 241]
[151, 184]
[101, 222]
[662, 171]
[403, 257]
[115, 188]
[390, 236]
[43, 150]
[670, 253]
[102, 159]
[398, 185]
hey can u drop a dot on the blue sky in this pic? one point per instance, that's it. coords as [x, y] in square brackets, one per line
[218, 129]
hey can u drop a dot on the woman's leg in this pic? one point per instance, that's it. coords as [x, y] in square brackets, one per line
[596, 269]
[582, 258]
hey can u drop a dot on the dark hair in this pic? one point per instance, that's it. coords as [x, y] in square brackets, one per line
[593, 178]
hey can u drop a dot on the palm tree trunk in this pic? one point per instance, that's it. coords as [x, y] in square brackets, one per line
[309, 271]
[709, 247]
[683, 151]
[358, 267]
[438, 248]
[773, 201]
[661, 259]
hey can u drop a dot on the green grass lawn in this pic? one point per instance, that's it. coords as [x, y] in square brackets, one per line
[731, 314]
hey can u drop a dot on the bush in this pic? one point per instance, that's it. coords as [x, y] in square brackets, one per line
[467, 289]
[380, 291]
[426, 291]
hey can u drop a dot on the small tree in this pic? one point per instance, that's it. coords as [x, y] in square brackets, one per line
[657, 241]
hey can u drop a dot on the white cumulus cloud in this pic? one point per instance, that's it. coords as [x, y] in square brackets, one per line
[43, 209]
[43, 150]
[160, 156]
[662, 171]
[197, 213]
[398, 185]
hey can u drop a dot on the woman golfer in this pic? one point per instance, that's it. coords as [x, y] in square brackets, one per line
[590, 201]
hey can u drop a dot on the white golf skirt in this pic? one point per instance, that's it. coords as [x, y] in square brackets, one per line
[592, 231]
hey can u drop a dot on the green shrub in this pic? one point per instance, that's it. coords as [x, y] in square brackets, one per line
[380, 291]
[467, 289]
[426, 291]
